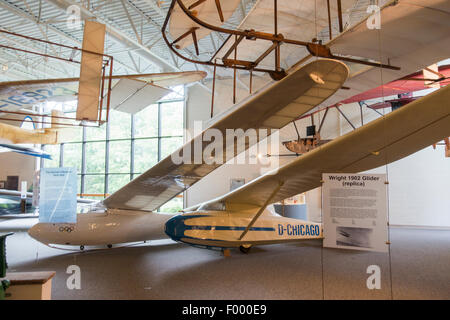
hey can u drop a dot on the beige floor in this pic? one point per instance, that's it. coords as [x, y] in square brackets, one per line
[166, 270]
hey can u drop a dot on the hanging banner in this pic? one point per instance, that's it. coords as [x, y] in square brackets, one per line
[58, 195]
[355, 211]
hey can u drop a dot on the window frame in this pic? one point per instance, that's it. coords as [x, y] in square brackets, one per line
[131, 172]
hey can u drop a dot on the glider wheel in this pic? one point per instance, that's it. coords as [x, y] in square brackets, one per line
[245, 249]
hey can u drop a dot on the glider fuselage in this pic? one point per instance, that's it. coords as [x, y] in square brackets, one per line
[224, 229]
[205, 229]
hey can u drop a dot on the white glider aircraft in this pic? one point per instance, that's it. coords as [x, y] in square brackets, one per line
[240, 218]
[414, 35]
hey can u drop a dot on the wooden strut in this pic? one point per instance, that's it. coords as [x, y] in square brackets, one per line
[191, 31]
[235, 44]
[213, 90]
[341, 27]
[184, 35]
[361, 114]
[102, 90]
[234, 77]
[251, 81]
[195, 4]
[277, 44]
[260, 211]
[296, 129]
[219, 10]
[218, 6]
[323, 119]
[340, 111]
[368, 107]
[329, 20]
[194, 38]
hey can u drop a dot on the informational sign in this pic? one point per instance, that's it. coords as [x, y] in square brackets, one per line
[36, 188]
[355, 211]
[23, 190]
[58, 195]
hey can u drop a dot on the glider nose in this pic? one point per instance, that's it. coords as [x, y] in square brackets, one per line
[36, 232]
[175, 227]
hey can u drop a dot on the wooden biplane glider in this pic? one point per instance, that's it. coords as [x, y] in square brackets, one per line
[413, 35]
[268, 26]
[240, 218]
[126, 95]
[299, 20]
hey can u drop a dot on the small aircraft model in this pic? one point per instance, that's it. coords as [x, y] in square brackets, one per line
[304, 145]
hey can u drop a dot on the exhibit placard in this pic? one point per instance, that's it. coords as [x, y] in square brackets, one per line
[355, 211]
[35, 201]
[58, 195]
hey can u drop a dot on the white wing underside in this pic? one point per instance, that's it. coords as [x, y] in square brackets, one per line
[414, 34]
[273, 107]
[392, 137]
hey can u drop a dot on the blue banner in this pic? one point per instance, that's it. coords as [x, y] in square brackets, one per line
[58, 195]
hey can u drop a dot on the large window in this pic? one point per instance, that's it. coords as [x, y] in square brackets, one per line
[128, 145]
